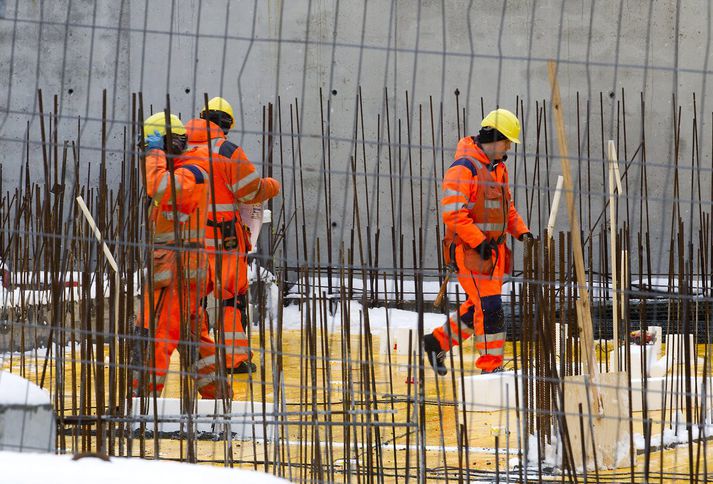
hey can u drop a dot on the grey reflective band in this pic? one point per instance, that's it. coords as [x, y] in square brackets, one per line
[163, 238]
[182, 217]
[162, 276]
[245, 181]
[205, 380]
[162, 185]
[454, 193]
[491, 227]
[493, 204]
[252, 194]
[203, 362]
[194, 234]
[235, 336]
[452, 207]
[496, 336]
[222, 207]
[210, 242]
[195, 273]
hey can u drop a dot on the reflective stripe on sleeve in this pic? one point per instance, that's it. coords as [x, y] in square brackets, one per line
[252, 194]
[452, 207]
[245, 181]
[448, 192]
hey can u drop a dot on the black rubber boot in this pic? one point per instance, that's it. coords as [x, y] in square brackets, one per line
[244, 367]
[436, 356]
[499, 369]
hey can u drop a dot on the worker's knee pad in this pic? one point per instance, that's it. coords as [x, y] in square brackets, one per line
[493, 314]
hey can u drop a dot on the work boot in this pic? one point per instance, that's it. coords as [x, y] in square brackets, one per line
[242, 368]
[436, 356]
[499, 369]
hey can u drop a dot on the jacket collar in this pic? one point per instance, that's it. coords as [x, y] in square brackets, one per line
[468, 147]
[197, 133]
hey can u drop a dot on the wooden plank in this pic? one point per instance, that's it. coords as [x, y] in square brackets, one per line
[585, 322]
[608, 431]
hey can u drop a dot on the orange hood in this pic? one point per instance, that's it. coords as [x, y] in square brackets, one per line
[467, 147]
[197, 132]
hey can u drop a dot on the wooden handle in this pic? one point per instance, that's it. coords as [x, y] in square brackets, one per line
[441, 297]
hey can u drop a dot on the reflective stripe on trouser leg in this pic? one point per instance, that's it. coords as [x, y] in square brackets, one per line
[207, 382]
[451, 332]
[491, 344]
[236, 341]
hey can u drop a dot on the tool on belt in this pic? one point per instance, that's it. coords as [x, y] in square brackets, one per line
[451, 268]
[228, 232]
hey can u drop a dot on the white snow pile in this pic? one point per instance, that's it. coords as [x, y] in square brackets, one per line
[28, 468]
[293, 318]
[553, 454]
[675, 434]
[15, 390]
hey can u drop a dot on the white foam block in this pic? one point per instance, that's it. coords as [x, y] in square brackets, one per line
[489, 392]
[637, 363]
[27, 422]
[655, 387]
[675, 346]
[246, 418]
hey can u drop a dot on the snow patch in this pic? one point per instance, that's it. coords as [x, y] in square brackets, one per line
[61, 469]
[15, 390]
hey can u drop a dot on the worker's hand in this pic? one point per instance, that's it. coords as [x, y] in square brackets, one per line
[485, 249]
[154, 141]
[526, 235]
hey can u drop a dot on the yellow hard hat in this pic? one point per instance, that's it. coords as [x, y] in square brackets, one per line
[220, 104]
[505, 122]
[157, 122]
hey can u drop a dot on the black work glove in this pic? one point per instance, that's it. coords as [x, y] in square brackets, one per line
[485, 249]
[526, 235]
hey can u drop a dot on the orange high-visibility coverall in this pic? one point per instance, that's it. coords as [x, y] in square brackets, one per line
[477, 207]
[235, 182]
[192, 192]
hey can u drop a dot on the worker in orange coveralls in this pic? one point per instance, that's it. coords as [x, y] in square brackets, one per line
[176, 300]
[235, 182]
[478, 213]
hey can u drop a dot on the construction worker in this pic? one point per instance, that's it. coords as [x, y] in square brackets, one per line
[235, 182]
[175, 298]
[478, 213]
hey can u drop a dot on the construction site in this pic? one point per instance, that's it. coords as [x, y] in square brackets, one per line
[390, 241]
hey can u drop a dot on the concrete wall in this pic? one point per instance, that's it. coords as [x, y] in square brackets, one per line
[252, 51]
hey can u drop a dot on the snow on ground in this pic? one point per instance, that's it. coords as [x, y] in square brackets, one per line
[26, 468]
[677, 434]
[293, 317]
[15, 390]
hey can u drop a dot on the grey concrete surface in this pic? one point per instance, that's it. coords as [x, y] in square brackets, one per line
[252, 51]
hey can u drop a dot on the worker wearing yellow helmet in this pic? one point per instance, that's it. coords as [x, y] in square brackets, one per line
[479, 214]
[155, 133]
[219, 112]
[170, 298]
[236, 183]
